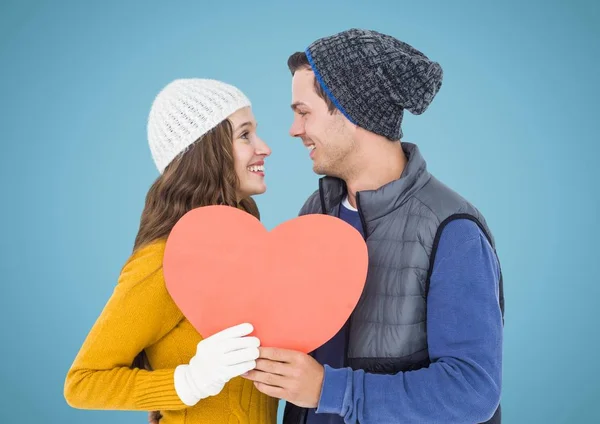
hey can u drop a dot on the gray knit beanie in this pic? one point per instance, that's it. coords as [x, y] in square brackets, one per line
[372, 77]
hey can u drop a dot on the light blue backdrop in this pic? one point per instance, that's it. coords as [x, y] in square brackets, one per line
[512, 130]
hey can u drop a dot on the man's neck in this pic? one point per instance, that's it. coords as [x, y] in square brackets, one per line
[377, 168]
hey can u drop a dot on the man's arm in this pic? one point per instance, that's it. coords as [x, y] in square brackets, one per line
[464, 324]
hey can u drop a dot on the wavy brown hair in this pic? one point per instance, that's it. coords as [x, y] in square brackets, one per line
[202, 176]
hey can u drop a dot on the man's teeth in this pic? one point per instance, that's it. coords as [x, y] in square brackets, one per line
[259, 168]
[311, 148]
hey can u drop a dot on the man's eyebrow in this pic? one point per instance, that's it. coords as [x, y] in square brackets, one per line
[295, 105]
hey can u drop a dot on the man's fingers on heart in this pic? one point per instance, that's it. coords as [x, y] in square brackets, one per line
[266, 378]
[272, 367]
[275, 392]
[279, 355]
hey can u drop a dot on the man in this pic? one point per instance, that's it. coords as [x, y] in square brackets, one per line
[424, 343]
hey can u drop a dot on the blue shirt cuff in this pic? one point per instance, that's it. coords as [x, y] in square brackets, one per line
[333, 390]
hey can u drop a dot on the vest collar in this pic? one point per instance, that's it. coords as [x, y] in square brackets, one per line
[374, 204]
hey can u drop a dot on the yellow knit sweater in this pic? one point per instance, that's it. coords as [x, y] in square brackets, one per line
[139, 315]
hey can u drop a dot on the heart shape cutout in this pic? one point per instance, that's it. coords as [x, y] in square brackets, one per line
[296, 284]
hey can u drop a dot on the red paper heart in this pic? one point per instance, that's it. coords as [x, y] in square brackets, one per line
[296, 284]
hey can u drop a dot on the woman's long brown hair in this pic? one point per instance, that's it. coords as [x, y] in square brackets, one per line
[204, 175]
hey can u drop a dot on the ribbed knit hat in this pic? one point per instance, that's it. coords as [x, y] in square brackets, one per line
[184, 111]
[372, 77]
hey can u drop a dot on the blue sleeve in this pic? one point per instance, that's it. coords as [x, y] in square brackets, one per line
[464, 326]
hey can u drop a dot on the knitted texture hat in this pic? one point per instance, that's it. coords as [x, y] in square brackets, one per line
[372, 77]
[184, 111]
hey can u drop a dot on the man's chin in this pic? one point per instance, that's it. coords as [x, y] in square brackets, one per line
[319, 170]
[325, 171]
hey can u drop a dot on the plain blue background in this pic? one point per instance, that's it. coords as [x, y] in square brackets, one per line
[513, 129]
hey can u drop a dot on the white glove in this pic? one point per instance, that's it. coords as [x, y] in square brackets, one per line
[218, 359]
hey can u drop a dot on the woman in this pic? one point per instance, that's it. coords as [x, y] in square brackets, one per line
[142, 353]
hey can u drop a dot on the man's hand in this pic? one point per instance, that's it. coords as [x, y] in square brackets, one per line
[289, 375]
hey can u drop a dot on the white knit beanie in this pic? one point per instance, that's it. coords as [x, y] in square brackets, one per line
[184, 111]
